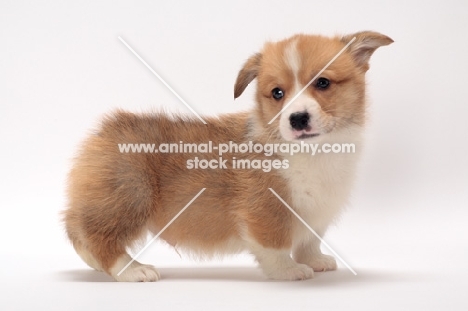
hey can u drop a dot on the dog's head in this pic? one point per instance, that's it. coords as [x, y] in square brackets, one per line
[296, 100]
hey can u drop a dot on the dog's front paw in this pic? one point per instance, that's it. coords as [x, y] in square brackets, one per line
[322, 262]
[296, 272]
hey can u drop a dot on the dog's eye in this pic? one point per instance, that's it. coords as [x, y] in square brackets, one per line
[277, 93]
[322, 83]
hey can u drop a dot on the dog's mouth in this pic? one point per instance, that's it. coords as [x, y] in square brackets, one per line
[305, 135]
[308, 132]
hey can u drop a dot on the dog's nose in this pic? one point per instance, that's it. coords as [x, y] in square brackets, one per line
[299, 120]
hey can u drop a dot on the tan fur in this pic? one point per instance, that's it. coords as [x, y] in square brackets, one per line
[114, 198]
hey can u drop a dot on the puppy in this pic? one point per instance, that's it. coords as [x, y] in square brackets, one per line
[115, 198]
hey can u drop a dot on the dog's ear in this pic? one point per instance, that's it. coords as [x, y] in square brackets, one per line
[365, 44]
[248, 72]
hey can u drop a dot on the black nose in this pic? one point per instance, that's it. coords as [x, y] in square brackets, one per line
[299, 120]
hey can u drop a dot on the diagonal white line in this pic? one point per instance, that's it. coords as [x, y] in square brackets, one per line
[313, 231]
[313, 79]
[160, 232]
[162, 80]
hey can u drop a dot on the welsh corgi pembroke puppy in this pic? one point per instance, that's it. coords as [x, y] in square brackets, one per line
[115, 197]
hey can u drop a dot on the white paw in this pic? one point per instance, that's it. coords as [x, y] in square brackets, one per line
[135, 272]
[296, 272]
[138, 273]
[322, 262]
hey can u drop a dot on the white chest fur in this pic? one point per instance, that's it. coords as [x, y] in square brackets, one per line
[320, 184]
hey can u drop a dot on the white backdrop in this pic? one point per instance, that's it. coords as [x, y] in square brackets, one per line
[62, 67]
